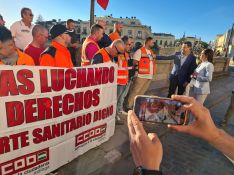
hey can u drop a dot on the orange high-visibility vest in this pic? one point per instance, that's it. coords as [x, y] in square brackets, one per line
[84, 60]
[114, 36]
[105, 56]
[144, 63]
[122, 78]
[23, 59]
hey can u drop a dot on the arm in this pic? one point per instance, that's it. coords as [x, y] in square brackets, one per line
[191, 70]
[208, 76]
[13, 30]
[97, 59]
[146, 149]
[91, 50]
[204, 127]
[170, 57]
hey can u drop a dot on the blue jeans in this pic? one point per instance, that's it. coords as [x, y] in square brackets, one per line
[120, 97]
[121, 94]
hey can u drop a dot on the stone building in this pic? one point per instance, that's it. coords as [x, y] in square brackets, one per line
[164, 40]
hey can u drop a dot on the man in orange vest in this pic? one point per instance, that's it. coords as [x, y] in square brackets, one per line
[9, 54]
[90, 46]
[123, 75]
[146, 61]
[108, 54]
[118, 27]
[57, 55]
[115, 53]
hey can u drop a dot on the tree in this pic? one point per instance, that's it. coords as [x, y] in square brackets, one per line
[39, 19]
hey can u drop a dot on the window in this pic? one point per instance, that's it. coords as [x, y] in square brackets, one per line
[129, 32]
[170, 43]
[165, 43]
[133, 23]
[139, 34]
[160, 42]
[78, 30]
[156, 42]
[85, 30]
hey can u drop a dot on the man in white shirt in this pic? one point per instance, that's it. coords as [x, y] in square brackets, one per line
[22, 30]
[145, 59]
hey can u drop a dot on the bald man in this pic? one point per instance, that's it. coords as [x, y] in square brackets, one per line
[38, 44]
[112, 51]
[118, 27]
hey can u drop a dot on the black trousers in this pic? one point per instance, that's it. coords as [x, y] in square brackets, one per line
[174, 83]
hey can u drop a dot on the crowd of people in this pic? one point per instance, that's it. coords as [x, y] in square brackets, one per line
[26, 44]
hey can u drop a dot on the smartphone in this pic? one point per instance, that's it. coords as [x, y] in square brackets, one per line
[160, 110]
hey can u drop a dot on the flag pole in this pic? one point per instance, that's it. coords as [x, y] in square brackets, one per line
[92, 12]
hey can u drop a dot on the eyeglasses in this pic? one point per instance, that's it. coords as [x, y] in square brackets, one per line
[31, 14]
[118, 52]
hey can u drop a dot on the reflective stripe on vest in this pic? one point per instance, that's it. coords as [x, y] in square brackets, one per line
[84, 60]
[122, 78]
[144, 63]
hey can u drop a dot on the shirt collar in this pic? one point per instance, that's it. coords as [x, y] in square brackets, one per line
[22, 23]
[59, 46]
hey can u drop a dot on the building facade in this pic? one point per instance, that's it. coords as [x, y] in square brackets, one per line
[163, 40]
[222, 43]
[132, 27]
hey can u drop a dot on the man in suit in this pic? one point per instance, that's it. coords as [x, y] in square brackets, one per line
[184, 66]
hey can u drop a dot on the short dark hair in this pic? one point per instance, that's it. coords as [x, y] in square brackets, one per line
[188, 43]
[125, 39]
[209, 53]
[70, 21]
[1, 17]
[23, 10]
[95, 28]
[5, 34]
[148, 39]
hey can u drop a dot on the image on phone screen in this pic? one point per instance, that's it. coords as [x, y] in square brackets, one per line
[159, 110]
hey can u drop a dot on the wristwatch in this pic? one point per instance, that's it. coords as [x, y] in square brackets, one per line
[141, 171]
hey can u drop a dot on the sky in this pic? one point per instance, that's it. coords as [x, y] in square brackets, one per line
[201, 18]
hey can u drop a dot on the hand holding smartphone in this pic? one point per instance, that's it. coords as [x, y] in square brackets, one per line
[160, 110]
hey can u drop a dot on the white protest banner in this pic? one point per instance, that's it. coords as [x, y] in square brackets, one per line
[49, 116]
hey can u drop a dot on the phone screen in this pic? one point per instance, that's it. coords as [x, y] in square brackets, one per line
[159, 110]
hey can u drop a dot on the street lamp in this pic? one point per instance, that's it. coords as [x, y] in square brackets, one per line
[91, 22]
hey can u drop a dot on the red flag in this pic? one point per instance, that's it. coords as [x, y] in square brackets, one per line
[103, 3]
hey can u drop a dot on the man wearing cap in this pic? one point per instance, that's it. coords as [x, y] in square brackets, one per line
[2, 22]
[57, 55]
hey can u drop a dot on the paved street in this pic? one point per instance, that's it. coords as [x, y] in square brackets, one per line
[184, 154]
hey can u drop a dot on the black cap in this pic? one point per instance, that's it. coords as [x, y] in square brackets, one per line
[57, 30]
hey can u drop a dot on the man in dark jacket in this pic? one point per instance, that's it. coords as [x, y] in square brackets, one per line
[184, 66]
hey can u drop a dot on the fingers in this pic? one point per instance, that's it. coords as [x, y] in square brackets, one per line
[131, 129]
[180, 128]
[153, 137]
[182, 98]
[134, 124]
